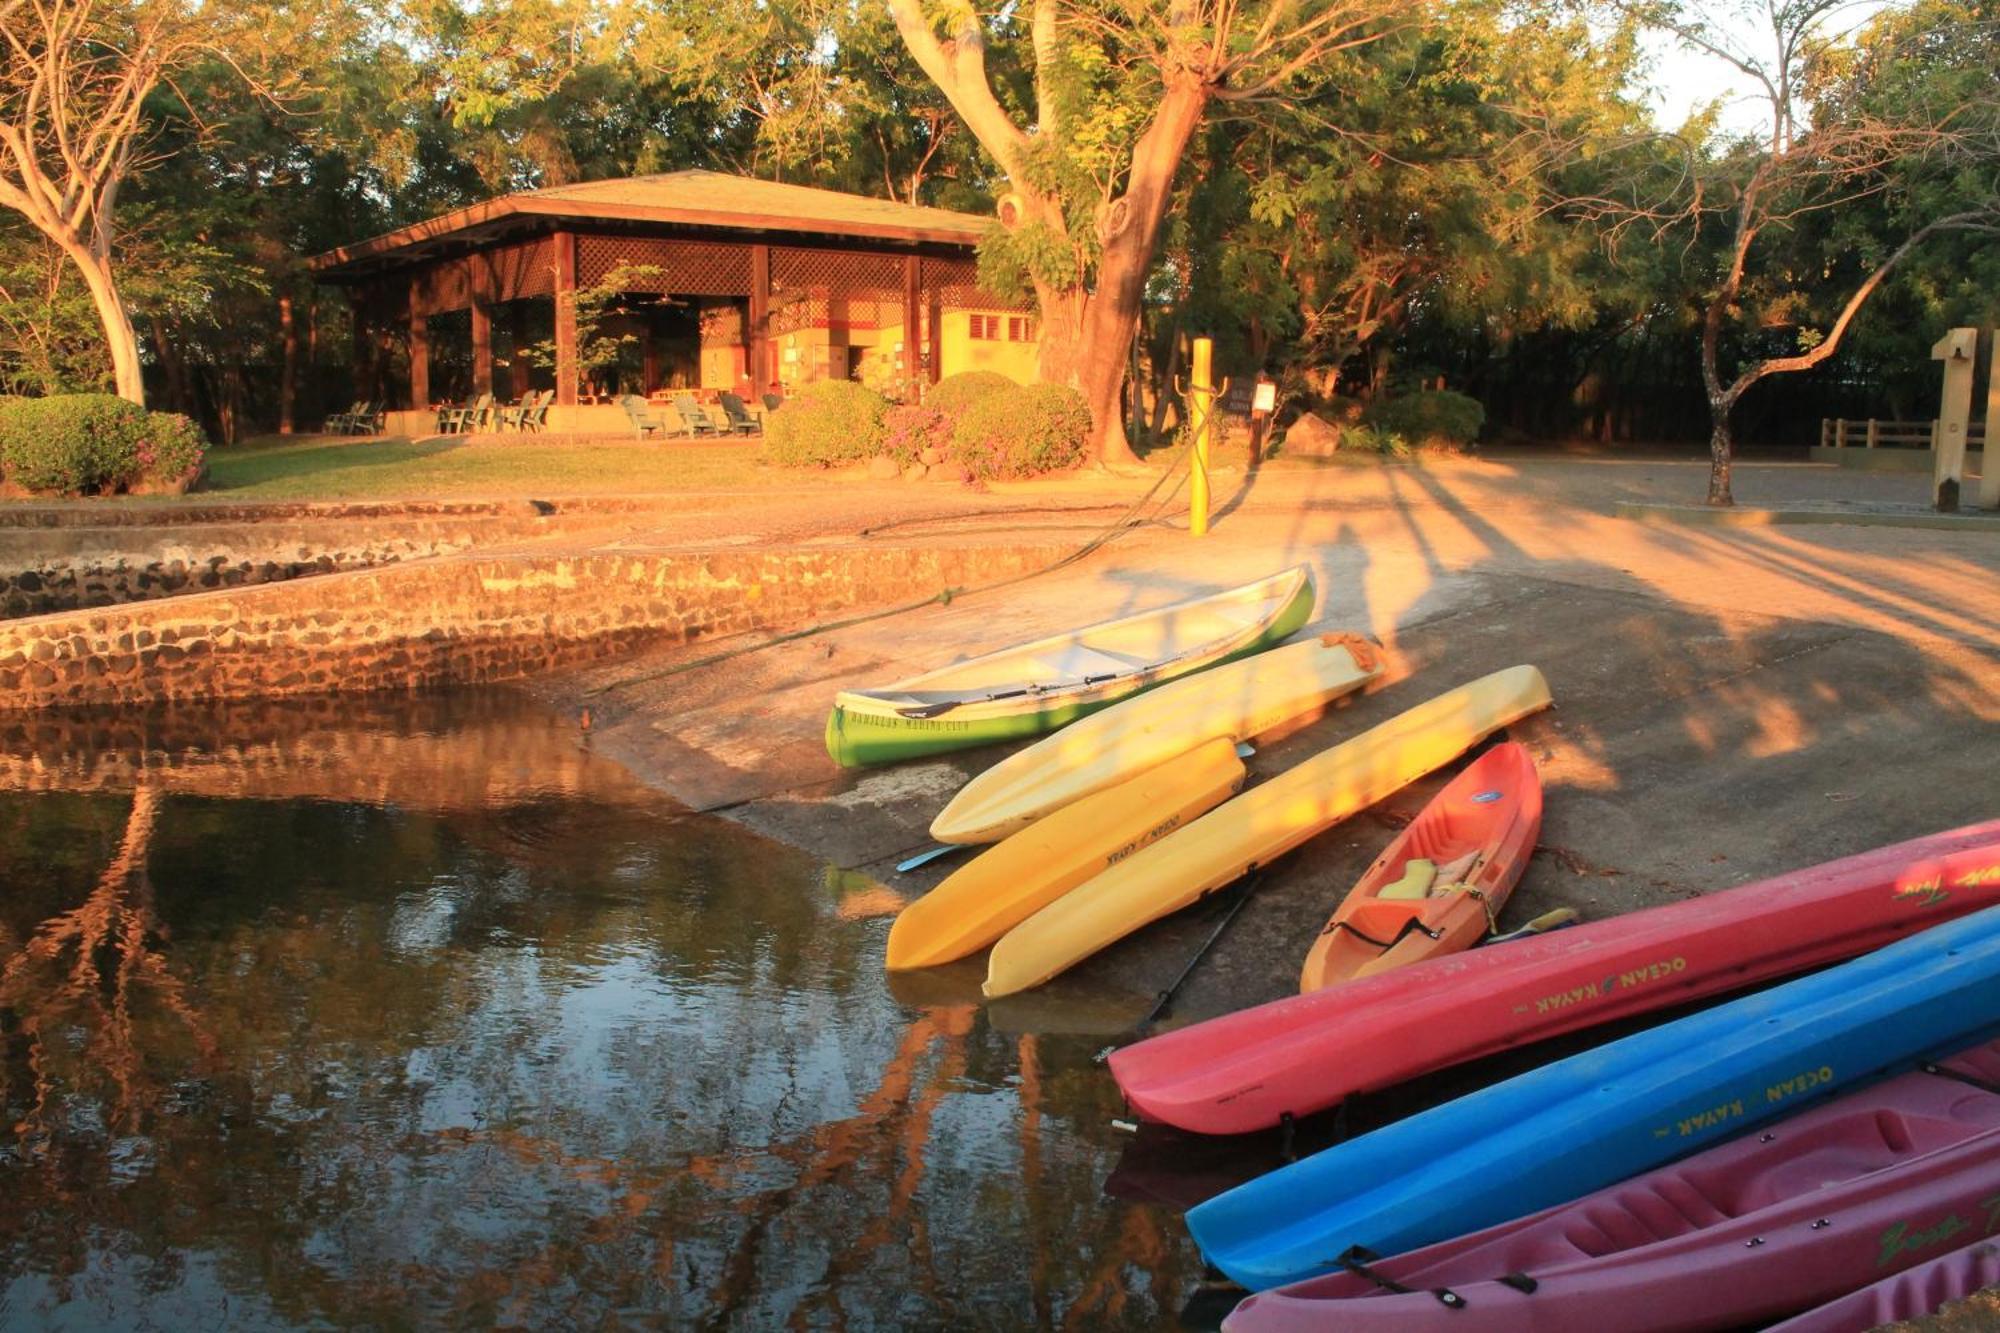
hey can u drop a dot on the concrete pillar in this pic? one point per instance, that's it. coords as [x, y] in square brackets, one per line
[565, 245]
[1989, 466]
[1956, 350]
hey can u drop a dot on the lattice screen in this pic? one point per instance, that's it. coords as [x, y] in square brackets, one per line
[687, 268]
[524, 268]
[956, 282]
[806, 285]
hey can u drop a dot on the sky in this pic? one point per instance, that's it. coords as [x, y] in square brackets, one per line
[1682, 79]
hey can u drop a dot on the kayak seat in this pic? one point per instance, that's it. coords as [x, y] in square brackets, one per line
[1418, 876]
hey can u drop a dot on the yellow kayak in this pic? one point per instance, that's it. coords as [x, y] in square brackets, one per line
[1259, 826]
[1007, 884]
[1236, 702]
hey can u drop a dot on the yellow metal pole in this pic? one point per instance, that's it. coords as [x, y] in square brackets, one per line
[1201, 406]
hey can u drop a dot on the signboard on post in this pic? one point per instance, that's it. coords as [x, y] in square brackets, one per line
[1956, 350]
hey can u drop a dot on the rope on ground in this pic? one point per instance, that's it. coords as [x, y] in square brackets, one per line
[944, 597]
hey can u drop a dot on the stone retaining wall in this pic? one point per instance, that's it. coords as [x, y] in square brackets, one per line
[455, 619]
[62, 568]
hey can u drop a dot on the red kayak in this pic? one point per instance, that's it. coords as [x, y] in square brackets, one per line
[1803, 1212]
[1910, 1294]
[1440, 886]
[1251, 1070]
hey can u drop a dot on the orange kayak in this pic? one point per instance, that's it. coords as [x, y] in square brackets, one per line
[1441, 884]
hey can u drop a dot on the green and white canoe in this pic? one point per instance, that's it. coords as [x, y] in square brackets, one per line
[1036, 687]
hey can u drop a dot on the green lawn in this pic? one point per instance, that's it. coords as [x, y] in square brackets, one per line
[395, 468]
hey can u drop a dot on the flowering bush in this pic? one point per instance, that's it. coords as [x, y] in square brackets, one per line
[1024, 430]
[911, 429]
[954, 393]
[826, 422]
[96, 444]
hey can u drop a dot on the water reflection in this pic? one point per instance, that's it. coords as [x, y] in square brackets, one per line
[426, 1015]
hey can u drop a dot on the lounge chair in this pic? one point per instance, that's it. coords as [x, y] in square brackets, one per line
[693, 417]
[371, 419]
[518, 416]
[740, 420]
[342, 423]
[476, 415]
[641, 419]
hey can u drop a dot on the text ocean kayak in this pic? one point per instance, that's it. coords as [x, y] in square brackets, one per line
[1036, 687]
[1248, 1070]
[1869, 1184]
[1012, 880]
[1259, 826]
[1441, 884]
[1565, 1129]
[1239, 701]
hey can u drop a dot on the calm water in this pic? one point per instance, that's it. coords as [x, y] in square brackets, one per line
[318, 1015]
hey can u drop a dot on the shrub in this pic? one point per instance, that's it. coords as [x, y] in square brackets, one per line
[1023, 431]
[72, 444]
[954, 393]
[826, 422]
[909, 429]
[1431, 418]
[1373, 439]
[171, 452]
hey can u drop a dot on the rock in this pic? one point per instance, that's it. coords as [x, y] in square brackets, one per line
[915, 472]
[1311, 437]
[950, 472]
[931, 455]
[883, 468]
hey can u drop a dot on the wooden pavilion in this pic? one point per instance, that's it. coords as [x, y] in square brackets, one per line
[727, 283]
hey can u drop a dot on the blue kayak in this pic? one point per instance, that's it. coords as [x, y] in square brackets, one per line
[1568, 1128]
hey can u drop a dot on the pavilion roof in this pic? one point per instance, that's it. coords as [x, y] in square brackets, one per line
[701, 199]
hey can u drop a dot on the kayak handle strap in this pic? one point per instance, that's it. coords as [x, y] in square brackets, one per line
[1412, 926]
[1359, 1261]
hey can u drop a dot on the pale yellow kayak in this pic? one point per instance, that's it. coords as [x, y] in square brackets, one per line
[1005, 885]
[1259, 826]
[1234, 702]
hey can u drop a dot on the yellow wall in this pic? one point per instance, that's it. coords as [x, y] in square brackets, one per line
[962, 352]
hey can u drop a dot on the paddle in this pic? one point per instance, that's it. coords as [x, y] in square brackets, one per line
[1547, 921]
[1166, 997]
[924, 858]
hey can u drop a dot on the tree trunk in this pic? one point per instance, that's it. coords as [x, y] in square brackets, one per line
[119, 335]
[289, 380]
[1721, 449]
[1129, 231]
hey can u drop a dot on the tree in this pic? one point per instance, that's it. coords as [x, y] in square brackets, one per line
[1829, 145]
[1091, 149]
[76, 112]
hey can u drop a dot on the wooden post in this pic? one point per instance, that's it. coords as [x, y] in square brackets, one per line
[482, 347]
[1840, 433]
[1989, 448]
[1956, 350]
[760, 320]
[420, 353]
[1201, 407]
[934, 336]
[517, 364]
[565, 247]
[288, 383]
[912, 304]
[1825, 431]
[1874, 432]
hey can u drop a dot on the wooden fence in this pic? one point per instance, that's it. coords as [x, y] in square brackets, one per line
[1871, 434]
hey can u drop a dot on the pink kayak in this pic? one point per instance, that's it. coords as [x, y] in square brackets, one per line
[1910, 1294]
[1865, 1186]
[1251, 1070]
